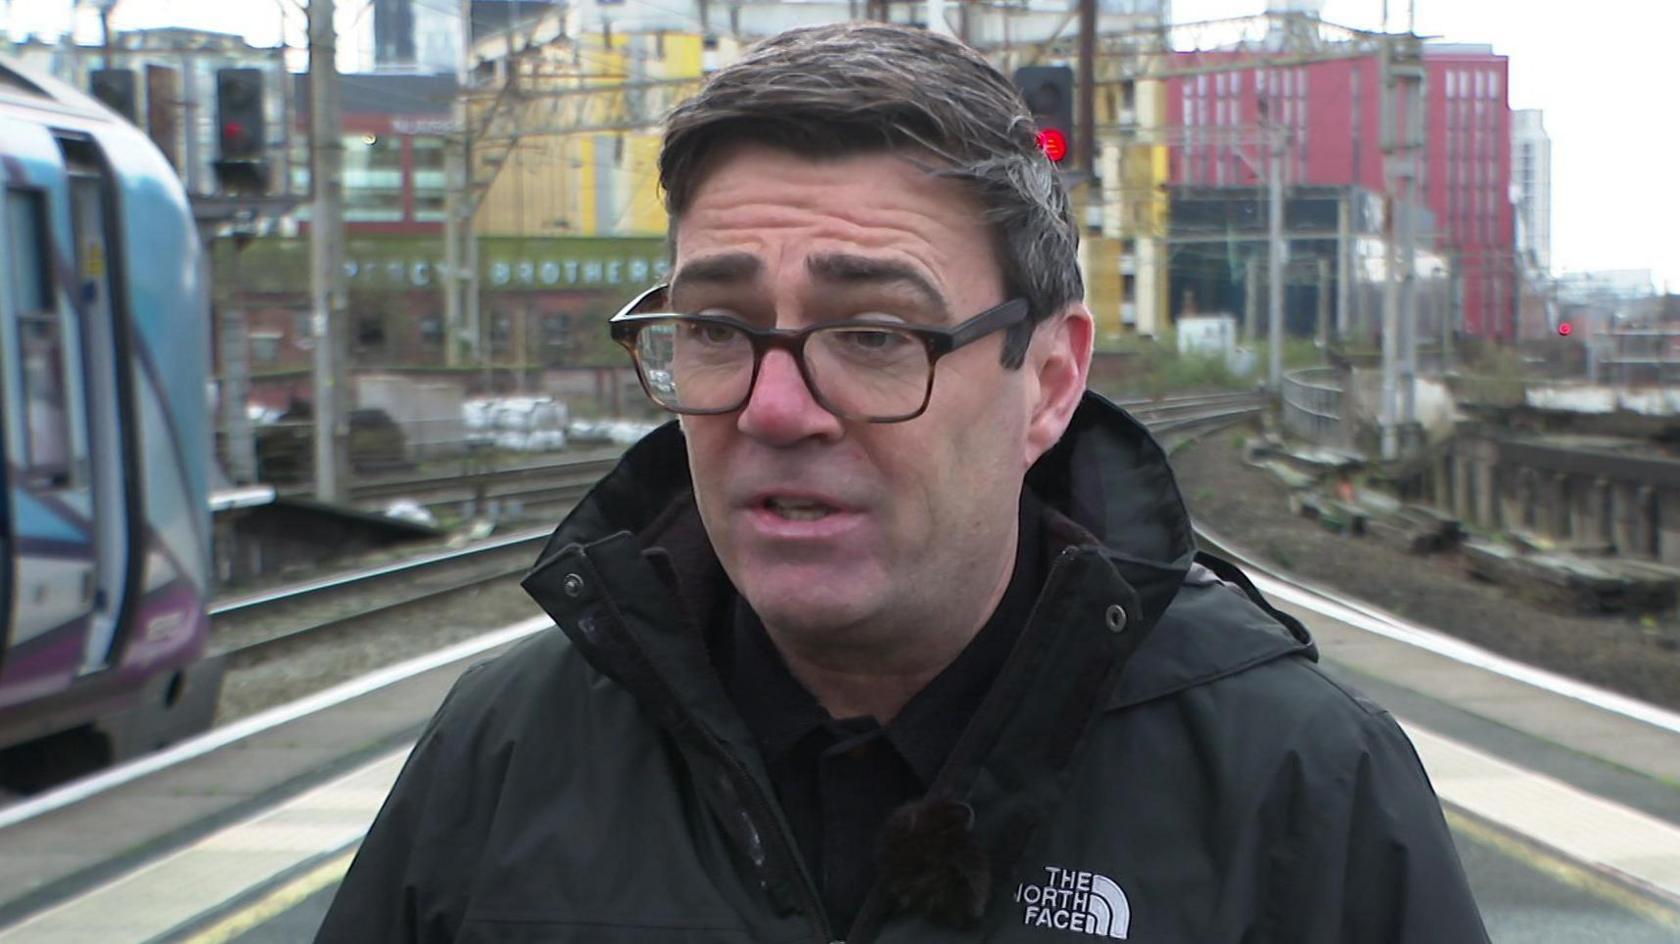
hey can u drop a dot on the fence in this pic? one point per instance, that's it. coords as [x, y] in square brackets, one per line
[1312, 405]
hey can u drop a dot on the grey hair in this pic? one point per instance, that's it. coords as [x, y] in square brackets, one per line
[834, 91]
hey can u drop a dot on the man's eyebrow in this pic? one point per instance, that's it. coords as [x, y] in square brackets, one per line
[725, 268]
[841, 267]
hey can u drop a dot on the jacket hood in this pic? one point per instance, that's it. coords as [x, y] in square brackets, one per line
[1106, 483]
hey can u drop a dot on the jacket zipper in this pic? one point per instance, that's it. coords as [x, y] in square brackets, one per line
[760, 810]
[762, 814]
[873, 902]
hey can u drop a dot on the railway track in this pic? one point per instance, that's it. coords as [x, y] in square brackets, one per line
[261, 626]
[539, 489]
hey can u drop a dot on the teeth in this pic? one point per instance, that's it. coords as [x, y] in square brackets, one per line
[797, 510]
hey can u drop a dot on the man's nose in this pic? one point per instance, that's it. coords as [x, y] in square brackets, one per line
[782, 409]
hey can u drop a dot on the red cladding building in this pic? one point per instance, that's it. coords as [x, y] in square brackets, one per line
[1335, 112]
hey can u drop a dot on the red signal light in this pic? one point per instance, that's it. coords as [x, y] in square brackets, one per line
[1054, 143]
[1565, 329]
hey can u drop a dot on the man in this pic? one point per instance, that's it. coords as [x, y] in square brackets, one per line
[898, 635]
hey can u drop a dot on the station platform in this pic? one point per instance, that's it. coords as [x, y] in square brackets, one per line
[1565, 800]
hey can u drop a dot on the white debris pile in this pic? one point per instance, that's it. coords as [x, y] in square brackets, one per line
[617, 432]
[518, 424]
[407, 509]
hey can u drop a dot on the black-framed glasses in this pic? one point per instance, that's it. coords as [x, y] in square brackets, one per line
[872, 371]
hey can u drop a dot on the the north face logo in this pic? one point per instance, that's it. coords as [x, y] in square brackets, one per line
[1076, 901]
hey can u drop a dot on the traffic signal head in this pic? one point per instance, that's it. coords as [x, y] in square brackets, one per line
[239, 114]
[115, 90]
[1048, 91]
[240, 131]
[1565, 329]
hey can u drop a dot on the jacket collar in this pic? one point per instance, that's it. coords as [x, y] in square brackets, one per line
[1106, 485]
[632, 579]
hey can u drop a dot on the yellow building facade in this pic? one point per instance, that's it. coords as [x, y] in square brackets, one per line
[571, 147]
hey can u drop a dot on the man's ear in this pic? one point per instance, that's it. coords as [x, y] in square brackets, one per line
[1060, 359]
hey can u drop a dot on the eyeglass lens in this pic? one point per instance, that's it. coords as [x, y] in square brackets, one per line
[873, 372]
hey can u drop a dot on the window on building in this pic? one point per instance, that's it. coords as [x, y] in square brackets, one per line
[373, 185]
[265, 348]
[370, 333]
[430, 177]
[557, 331]
[41, 342]
[431, 332]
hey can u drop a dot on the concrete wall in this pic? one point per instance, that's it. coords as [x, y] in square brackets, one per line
[1631, 508]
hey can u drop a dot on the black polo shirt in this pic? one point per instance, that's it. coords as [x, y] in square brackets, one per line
[838, 779]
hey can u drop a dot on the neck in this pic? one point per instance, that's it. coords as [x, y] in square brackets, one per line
[877, 679]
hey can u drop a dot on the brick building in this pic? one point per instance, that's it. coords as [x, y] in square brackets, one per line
[1334, 113]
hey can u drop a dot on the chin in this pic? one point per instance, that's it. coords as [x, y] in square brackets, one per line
[809, 612]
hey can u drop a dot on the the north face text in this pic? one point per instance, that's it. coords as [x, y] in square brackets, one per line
[1082, 902]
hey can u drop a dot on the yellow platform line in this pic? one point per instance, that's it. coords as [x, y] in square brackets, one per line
[276, 902]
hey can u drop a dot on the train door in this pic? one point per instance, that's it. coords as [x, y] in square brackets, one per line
[10, 290]
[47, 450]
[103, 394]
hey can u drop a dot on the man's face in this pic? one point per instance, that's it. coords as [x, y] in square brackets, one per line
[850, 534]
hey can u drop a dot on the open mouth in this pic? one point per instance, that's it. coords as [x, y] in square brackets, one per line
[796, 509]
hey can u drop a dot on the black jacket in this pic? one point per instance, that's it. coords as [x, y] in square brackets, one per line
[1159, 761]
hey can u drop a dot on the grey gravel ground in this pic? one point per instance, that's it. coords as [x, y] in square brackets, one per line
[408, 633]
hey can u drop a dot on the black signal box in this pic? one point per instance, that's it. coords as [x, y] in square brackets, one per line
[1048, 91]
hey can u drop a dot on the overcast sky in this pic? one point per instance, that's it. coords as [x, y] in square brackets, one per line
[1606, 73]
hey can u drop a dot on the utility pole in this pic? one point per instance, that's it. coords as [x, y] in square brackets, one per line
[239, 448]
[1323, 317]
[1402, 131]
[1344, 263]
[1274, 258]
[1409, 88]
[326, 258]
[1085, 139]
[105, 30]
[463, 337]
[1386, 419]
[1251, 300]
[455, 201]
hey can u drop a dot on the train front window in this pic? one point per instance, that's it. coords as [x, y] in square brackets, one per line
[40, 342]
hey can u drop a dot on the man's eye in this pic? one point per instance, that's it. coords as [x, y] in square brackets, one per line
[710, 332]
[869, 341]
[874, 340]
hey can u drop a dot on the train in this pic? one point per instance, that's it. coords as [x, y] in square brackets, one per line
[104, 368]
